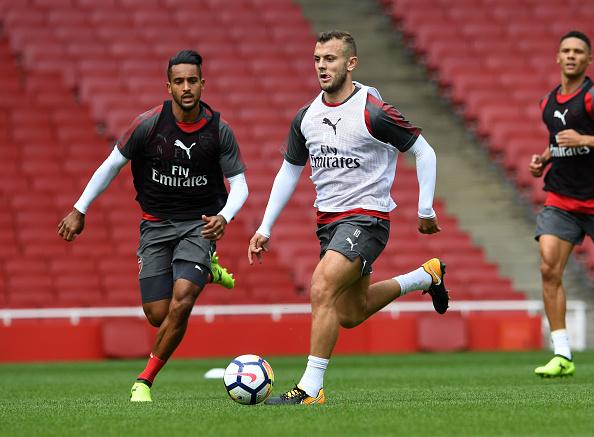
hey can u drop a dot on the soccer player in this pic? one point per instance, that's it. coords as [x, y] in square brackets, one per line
[351, 139]
[568, 213]
[181, 151]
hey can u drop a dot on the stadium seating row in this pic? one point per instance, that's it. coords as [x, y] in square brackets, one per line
[88, 84]
[495, 60]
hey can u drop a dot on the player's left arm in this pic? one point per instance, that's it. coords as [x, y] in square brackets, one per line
[233, 169]
[572, 138]
[426, 163]
[388, 125]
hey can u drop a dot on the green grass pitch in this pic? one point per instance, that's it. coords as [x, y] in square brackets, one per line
[462, 394]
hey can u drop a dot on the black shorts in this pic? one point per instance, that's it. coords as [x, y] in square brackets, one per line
[355, 236]
[568, 226]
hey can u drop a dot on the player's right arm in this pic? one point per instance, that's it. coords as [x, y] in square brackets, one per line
[125, 149]
[539, 162]
[282, 189]
[284, 185]
[74, 223]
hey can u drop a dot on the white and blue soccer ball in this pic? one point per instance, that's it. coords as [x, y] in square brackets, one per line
[249, 379]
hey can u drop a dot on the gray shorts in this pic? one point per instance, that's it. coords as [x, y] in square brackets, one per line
[355, 236]
[568, 226]
[166, 241]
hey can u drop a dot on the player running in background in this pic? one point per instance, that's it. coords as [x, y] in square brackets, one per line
[351, 139]
[568, 213]
[181, 151]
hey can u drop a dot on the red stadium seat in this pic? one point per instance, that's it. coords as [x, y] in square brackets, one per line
[76, 46]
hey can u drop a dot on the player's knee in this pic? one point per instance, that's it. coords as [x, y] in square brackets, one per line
[182, 304]
[550, 273]
[181, 308]
[320, 293]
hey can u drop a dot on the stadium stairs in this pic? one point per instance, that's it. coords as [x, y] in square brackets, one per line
[67, 60]
[482, 175]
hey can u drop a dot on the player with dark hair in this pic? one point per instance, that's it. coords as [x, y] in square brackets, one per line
[351, 139]
[568, 213]
[180, 151]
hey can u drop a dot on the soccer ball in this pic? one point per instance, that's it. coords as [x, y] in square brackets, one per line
[249, 379]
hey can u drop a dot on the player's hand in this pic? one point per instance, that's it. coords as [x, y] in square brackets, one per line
[258, 245]
[71, 225]
[214, 229]
[537, 166]
[569, 138]
[428, 225]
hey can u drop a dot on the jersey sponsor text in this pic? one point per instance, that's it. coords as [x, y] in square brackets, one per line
[179, 181]
[565, 152]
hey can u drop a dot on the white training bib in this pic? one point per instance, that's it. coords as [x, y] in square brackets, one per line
[350, 168]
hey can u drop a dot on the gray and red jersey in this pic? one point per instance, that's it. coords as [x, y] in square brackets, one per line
[179, 168]
[352, 149]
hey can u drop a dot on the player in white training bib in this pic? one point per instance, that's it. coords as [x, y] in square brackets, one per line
[351, 139]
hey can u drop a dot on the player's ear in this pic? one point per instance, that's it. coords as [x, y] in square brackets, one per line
[352, 63]
[169, 87]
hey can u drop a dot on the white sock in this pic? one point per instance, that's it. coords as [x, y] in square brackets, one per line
[418, 279]
[561, 343]
[313, 377]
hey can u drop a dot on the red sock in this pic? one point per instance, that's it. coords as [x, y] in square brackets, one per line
[152, 368]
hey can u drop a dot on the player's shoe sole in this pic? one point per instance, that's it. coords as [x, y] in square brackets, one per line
[558, 367]
[436, 269]
[140, 393]
[219, 273]
[297, 396]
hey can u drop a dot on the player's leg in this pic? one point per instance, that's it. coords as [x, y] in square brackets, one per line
[173, 327]
[189, 271]
[554, 253]
[366, 240]
[554, 256]
[155, 252]
[333, 275]
[361, 300]
[429, 278]
[192, 260]
[557, 233]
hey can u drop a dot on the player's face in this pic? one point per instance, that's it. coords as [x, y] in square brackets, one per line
[573, 57]
[332, 65]
[185, 86]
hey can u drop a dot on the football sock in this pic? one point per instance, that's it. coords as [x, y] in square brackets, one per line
[152, 368]
[418, 279]
[313, 377]
[561, 343]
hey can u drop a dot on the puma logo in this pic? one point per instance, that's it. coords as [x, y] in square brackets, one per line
[181, 145]
[351, 243]
[560, 116]
[329, 123]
